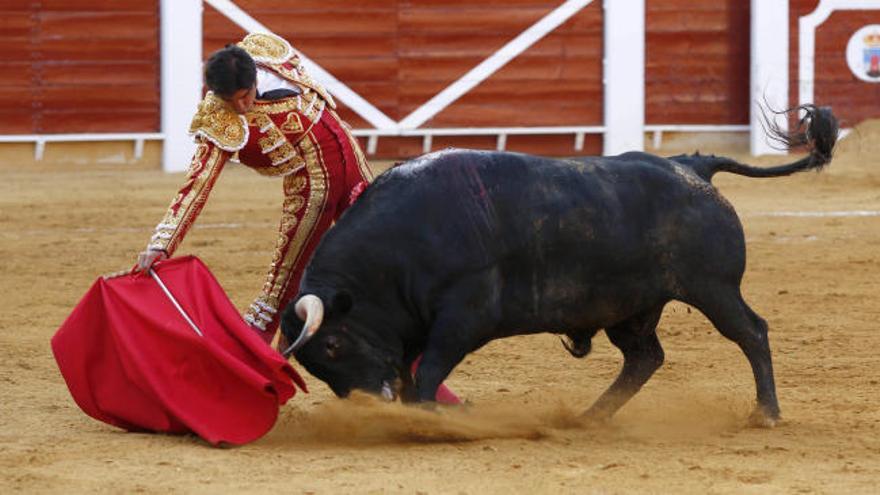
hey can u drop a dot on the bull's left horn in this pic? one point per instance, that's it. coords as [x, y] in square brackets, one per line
[310, 309]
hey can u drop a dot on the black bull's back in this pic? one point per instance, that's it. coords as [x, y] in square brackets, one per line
[447, 252]
[572, 244]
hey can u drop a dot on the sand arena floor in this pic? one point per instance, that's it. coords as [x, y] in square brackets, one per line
[813, 265]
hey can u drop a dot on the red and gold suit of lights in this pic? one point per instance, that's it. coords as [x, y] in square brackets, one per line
[299, 139]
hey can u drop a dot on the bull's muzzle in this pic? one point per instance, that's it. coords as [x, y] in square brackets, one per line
[310, 309]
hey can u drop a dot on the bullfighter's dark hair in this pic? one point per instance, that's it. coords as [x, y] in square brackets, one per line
[229, 70]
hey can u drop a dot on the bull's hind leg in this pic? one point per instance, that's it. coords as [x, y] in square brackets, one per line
[642, 355]
[730, 314]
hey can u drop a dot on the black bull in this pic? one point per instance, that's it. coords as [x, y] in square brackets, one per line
[457, 248]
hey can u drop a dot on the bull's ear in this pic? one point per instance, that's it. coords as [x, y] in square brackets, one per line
[342, 302]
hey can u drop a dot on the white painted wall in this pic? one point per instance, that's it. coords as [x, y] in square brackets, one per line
[181, 78]
[769, 75]
[624, 78]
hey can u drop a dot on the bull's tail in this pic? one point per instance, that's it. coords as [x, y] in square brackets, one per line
[817, 130]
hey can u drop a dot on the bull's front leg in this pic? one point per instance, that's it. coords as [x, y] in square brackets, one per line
[467, 317]
[449, 342]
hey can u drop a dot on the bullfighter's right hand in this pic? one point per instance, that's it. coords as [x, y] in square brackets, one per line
[147, 258]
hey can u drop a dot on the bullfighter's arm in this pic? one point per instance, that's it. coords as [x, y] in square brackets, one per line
[206, 165]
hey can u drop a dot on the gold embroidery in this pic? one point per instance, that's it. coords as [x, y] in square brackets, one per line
[310, 105]
[296, 184]
[292, 124]
[199, 155]
[283, 105]
[268, 142]
[266, 48]
[190, 199]
[274, 138]
[281, 154]
[301, 77]
[294, 205]
[216, 121]
[259, 120]
[290, 245]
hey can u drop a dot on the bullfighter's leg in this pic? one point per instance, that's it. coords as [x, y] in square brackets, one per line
[730, 314]
[642, 355]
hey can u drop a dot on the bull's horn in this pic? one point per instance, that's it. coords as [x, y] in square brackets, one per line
[310, 309]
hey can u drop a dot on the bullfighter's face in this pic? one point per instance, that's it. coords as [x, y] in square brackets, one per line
[340, 355]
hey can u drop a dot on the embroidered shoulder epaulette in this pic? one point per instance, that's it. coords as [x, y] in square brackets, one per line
[217, 122]
[267, 48]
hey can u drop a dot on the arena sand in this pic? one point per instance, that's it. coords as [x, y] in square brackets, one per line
[812, 274]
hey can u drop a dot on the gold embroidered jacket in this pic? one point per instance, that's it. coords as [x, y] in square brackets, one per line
[264, 139]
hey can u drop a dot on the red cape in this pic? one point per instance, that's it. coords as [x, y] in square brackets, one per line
[130, 358]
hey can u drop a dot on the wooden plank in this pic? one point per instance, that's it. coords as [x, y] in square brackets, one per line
[17, 49]
[318, 47]
[377, 92]
[117, 26]
[482, 45]
[19, 5]
[330, 45]
[16, 120]
[587, 21]
[674, 46]
[522, 114]
[121, 98]
[353, 119]
[474, 44]
[319, 22]
[468, 142]
[470, 19]
[503, 91]
[395, 147]
[697, 62]
[16, 97]
[16, 24]
[99, 5]
[524, 67]
[86, 120]
[91, 49]
[489, 19]
[546, 145]
[554, 145]
[70, 63]
[352, 69]
[100, 73]
[488, 4]
[18, 74]
[343, 6]
[723, 6]
[678, 21]
[691, 110]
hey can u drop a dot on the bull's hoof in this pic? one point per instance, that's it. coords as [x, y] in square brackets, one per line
[595, 417]
[760, 418]
[578, 345]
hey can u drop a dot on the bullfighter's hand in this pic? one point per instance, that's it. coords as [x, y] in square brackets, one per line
[148, 257]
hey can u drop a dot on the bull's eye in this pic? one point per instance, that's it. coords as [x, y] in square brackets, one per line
[332, 346]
